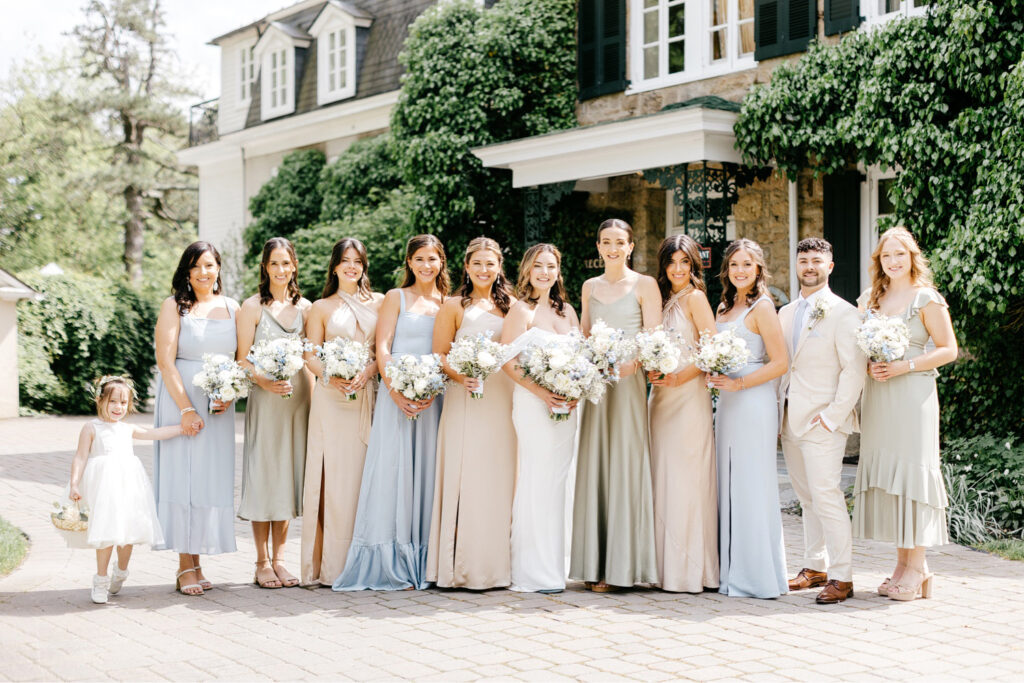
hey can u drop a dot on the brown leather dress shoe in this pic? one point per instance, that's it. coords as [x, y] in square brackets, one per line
[808, 578]
[835, 591]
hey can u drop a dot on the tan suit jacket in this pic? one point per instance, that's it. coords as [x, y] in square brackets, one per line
[827, 372]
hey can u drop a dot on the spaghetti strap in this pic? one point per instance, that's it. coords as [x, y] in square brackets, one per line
[751, 307]
[401, 297]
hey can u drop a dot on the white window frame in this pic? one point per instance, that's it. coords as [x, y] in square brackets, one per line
[699, 64]
[246, 63]
[873, 15]
[869, 196]
[277, 87]
[344, 26]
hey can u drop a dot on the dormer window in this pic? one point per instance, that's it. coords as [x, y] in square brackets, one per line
[276, 53]
[336, 30]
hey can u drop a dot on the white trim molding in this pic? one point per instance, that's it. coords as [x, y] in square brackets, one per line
[883, 11]
[667, 138]
[335, 33]
[275, 51]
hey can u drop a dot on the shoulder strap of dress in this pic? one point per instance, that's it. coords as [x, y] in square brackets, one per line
[401, 298]
[751, 306]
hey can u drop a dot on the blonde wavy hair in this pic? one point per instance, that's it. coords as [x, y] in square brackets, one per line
[920, 272]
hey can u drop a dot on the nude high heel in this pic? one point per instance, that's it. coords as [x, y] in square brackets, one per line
[905, 591]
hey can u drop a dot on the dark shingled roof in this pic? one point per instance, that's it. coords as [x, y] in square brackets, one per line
[377, 50]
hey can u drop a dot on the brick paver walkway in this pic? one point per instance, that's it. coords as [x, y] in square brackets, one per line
[50, 630]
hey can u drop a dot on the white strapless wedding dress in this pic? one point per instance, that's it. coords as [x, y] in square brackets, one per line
[545, 455]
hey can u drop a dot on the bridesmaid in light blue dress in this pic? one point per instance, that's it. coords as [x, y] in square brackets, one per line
[392, 527]
[752, 555]
[194, 478]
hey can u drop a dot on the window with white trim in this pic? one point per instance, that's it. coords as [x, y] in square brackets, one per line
[884, 10]
[247, 71]
[336, 57]
[675, 41]
[278, 96]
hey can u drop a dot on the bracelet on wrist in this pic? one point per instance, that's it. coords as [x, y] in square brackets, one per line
[189, 409]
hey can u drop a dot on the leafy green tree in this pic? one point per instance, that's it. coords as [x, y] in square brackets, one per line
[287, 202]
[135, 91]
[476, 77]
[940, 99]
[359, 178]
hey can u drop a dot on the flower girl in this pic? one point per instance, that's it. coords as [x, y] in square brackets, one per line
[110, 480]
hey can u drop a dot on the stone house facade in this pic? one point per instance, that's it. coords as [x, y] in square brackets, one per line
[660, 82]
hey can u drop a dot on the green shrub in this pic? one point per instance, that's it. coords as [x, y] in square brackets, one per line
[383, 228]
[13, 544]
[84, 328]
[358, 178]
[287, 202]
[987, 475]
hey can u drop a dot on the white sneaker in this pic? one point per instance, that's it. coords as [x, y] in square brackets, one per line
[100, 584]
[117, 580]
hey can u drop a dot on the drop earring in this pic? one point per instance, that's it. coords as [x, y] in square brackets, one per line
[216, 287]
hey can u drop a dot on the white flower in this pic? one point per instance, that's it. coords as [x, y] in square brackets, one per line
[821, 309]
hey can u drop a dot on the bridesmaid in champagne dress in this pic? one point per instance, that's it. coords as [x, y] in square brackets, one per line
[476, 444]
[194, 479]
[339, 428]
[753, 557]
[396, 497]
[900, 494]
[613, 515]
[545, 447]
[274, 450]
[682, 443]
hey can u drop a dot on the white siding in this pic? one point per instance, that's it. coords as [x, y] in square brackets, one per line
[232, 110]
[222, 215]
[9, 352]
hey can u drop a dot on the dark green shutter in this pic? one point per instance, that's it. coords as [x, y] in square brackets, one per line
[601, 52]
[842, 229]
[841, 16]
[782, 27]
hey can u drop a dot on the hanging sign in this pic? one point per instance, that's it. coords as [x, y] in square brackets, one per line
[705, 256]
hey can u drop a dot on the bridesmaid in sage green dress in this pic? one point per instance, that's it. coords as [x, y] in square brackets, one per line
[900, 495]
[613, 513]
[274, 451]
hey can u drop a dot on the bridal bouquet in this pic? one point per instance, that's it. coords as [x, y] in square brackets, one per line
[720, 354]
[416, 377]
[476, 357]
[659, 350]
[221, 379]
[344, 358]
[607, 348]
[559, 366]
[883, 339]
[279, 359]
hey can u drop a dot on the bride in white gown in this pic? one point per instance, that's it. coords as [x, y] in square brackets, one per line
[546, 447]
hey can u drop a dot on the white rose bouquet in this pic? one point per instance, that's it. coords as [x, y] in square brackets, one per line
[221, 379]
[721, 354]
[478, 357]
[883, 339]
[559, 366]
[659, 350]
[416, 377]
[608, 348]
[343, 358]
[279, 359]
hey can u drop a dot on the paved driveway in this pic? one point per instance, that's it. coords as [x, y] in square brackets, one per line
[971, 629]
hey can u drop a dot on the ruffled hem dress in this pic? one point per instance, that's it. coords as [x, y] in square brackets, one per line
[899, 493]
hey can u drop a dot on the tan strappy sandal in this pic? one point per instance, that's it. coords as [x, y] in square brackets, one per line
[184, 588]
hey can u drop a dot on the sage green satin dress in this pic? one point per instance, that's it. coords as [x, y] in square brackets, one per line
[613, 510]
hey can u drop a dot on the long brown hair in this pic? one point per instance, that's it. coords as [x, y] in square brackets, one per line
[669, 247]
[920, 272]
[622, 225]
[524, 290]
[760, 287]
[501, 291]
[293, 293]
[338, 253]
[417, 242]
[105, 387]
[181, 288]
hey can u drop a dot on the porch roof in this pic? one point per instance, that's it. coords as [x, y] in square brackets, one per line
[13, 289]
[700, 130]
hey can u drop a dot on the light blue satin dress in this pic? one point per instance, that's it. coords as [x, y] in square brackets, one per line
[194, 477]
[392, 528]
[752, 554]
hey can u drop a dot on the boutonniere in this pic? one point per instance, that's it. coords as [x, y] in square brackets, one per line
[821, 308]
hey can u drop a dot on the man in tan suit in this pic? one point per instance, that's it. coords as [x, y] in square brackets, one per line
[818, 398]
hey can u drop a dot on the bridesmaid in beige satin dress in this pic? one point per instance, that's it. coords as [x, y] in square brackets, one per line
[682, 437]
[339, 429]
[476, 444]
